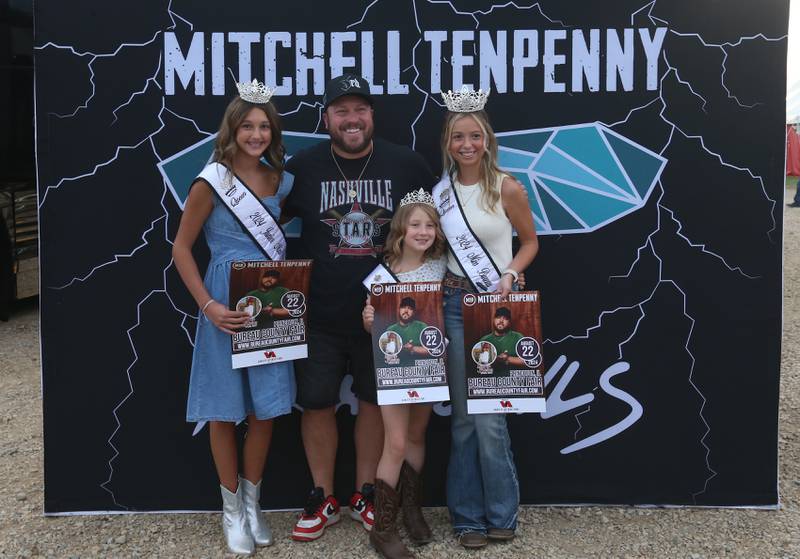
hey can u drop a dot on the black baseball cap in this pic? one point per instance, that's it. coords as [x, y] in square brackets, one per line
[348, 84]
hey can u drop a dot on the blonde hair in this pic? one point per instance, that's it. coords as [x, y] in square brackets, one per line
[225, 147]
[489, 171]
[397, 231]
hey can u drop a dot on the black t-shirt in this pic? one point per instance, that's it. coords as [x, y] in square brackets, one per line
[343, 235]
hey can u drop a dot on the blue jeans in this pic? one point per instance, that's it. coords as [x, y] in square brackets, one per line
[482, 486]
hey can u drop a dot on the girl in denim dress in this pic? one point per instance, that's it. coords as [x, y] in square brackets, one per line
[219, 394]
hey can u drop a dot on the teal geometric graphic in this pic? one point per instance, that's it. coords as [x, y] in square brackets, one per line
[180, 170]
[640, 167]
[587, 146]
[578, 178]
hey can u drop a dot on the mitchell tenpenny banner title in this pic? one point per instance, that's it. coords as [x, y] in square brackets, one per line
[300, 63]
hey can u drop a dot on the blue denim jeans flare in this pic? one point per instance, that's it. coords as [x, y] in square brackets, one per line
[482, 485]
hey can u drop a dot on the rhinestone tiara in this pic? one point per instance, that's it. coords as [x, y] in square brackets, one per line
[255, 91]
[417, 197]
[466, 100]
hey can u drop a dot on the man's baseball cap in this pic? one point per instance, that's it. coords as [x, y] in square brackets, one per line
[348, 84]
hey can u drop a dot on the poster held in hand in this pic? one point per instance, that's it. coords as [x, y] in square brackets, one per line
[408, 343]
[274, 294]
[503, 350]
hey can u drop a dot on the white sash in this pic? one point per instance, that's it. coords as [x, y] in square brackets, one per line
[470, 254]
[381, 274]
[248, 210]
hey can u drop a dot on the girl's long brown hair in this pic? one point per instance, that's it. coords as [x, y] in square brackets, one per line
[397, 230]
[225, 147]
[489, 171]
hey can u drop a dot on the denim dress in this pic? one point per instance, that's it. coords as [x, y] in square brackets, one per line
[217, 392]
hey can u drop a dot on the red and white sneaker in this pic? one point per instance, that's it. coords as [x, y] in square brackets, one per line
[362, 506]
[320, 512]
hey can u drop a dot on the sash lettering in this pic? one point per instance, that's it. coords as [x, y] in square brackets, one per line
[472, 257]
[248, 209]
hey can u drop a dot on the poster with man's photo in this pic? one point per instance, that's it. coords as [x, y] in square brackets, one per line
[273, 294]
[503, 347]
[408, 344]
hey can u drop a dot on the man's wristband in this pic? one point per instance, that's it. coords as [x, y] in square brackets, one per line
[511, 272]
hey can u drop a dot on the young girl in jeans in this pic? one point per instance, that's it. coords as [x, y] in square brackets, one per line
[414, 249]
[482, 486]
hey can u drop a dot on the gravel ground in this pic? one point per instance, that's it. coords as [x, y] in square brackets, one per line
[544, 532]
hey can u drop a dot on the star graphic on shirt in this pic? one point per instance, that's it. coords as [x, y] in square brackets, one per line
[356, 230]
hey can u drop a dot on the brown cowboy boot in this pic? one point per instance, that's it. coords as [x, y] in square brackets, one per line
[384, 536]
[411, 489]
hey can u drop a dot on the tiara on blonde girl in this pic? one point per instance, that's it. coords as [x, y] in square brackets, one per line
[417, 197]
[466, 100]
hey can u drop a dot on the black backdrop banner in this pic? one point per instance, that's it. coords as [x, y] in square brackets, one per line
[650, 136]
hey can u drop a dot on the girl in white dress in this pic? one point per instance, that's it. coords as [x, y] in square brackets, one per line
[414, 252]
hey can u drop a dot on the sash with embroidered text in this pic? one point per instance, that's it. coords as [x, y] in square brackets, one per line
[248, 209]
[472, 257]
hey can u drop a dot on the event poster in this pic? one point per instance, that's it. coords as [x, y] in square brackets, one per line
[408, 343]
[274, 294]
[503, 347]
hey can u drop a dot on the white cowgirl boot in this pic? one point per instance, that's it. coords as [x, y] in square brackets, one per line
[234, 522]
[259, 528]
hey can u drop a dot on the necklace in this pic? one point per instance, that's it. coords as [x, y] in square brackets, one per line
[467, 193]
[352, 192]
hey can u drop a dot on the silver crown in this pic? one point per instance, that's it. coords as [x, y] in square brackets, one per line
[255, 91]
[417, 197]
[466, 100]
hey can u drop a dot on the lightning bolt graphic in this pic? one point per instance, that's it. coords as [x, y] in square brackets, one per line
[160, 222]
[667, 213]
[97, 167]
[155, 292]
[152, 79]
[162, 290]
[705, 148]
[476, 13]
[578, 421]
[114, 260]
[93, 58]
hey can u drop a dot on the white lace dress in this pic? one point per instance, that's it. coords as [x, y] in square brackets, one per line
[431, 270]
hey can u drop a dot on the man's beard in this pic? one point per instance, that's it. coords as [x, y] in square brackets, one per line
[337, 137]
